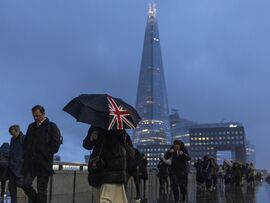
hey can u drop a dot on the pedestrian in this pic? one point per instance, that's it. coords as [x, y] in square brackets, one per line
[133, 167]
[179, 168]
[4, 154]
[15, 161]
[163, 174]
[214, 172]
[251, 174]
[143, 173]
[221, 175]
[41, 142]
[228, 173]
[207, 169]
[237, 173]
[199, 173]
[107, 164]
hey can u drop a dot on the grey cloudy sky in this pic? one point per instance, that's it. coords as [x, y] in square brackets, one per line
[215, 55]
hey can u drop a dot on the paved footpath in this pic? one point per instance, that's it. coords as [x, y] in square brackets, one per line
[258, 194]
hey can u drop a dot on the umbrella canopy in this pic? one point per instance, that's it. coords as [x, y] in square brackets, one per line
[228, 162]
[103, 111]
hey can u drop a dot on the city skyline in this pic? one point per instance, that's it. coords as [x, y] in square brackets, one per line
[215, 56]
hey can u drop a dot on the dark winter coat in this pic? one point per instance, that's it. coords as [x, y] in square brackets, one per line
[143, 173]
[179, 165]
[40, 144]
[163, 169]
[15, 162]
[133, 163]
[113, 154]
[207, 166]
[199, 171]
[4, 154]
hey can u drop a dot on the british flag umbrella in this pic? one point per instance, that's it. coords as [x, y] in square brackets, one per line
[104, 111]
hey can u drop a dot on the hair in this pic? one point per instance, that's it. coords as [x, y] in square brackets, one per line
[177, 142]
[181, 144]
[14, 127]
[40, 108]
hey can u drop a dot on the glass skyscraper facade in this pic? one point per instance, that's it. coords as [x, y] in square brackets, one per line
[180, 128]
[152, 103]
[220, 140]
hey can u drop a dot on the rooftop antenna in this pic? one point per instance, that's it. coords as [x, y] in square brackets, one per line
[152, 11]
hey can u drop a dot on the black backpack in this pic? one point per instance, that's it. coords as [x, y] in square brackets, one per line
[57, 136]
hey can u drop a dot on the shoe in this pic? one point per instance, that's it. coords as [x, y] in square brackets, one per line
[138, 199]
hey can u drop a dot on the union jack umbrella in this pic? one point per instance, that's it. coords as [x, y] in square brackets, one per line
[103, 111]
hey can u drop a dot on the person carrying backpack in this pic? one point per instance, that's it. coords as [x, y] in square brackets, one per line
[42, 141]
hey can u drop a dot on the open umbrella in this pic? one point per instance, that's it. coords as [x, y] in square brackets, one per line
[228, 162]
[103, 111]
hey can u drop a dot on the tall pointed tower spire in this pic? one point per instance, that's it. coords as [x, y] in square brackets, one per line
[152, 102]
[152, 11]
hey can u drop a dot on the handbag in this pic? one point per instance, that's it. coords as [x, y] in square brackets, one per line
[96, 163]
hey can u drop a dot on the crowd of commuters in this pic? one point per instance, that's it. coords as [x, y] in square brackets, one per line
[30, 156]
[230, 173]
[173, 169]
[113, 162]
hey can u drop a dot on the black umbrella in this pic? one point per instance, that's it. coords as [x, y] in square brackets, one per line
[103, 111]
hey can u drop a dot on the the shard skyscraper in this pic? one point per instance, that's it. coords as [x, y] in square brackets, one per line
[152, 103]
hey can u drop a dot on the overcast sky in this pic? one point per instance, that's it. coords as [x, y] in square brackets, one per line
[215, 55]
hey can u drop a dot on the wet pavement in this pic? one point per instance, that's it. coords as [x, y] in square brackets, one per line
[260, 193]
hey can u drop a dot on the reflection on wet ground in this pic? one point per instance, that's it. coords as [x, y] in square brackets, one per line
[245, 194]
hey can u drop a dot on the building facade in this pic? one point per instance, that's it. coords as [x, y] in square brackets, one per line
[250, 152]
[153, 153]
[180, 128]
[221, 140]
[152, 104]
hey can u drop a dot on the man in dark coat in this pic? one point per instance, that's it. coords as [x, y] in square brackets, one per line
[109, 179]
[179, 168]
[4, 154]
[41, 142]
[15, 161]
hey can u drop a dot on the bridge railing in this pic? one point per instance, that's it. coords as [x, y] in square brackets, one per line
[70, 185]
